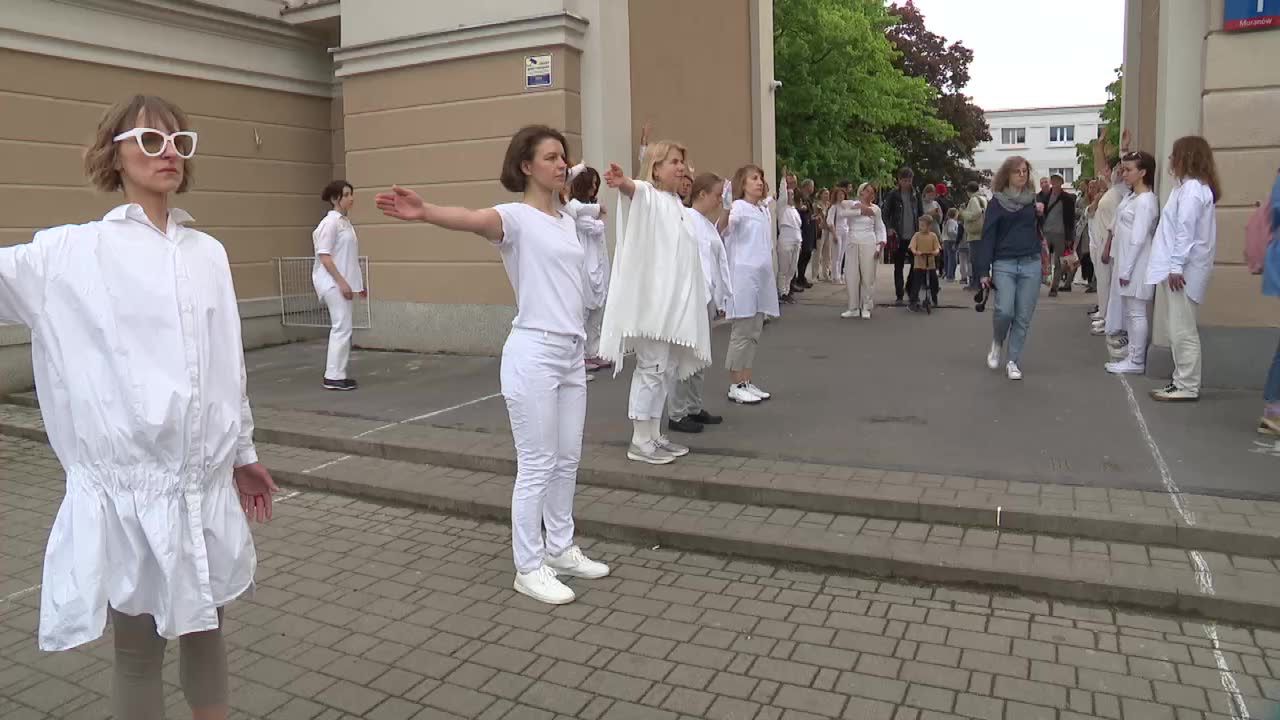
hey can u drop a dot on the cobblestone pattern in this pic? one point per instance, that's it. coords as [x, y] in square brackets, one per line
[373, 611]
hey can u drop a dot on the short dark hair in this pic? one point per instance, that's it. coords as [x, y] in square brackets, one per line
[333, 190]
[846, 184]
[906, 173]
[520, 151]
[1146, 162]
[1057, 177]
[972, 187]
[582, 186]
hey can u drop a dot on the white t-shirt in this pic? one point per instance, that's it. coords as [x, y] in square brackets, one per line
[336, 237]
[545, 262]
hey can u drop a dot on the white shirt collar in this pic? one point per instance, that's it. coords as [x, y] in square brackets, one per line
[134, 211]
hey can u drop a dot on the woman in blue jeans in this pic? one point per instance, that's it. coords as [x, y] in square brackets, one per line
[1270, 422]
[1008, 259]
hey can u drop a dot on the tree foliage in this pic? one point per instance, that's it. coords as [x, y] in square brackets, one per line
[1111, 129]
[944, 66]
[841, 91]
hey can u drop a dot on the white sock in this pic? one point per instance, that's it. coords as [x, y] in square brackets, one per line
[654, 429]
[639, 432]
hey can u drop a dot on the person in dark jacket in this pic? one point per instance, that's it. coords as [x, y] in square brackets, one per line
[902, 211]
[1008, 260]
[1057, 224]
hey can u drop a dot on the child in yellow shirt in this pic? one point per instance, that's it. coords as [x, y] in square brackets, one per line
[925, 248]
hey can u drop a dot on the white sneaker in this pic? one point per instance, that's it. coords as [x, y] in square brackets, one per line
[740, 395]
[1126, 367]
[866, 314]
[1173, 393]
[993, 357]
[542, 585]
[1097, 330]
[849, 314]
[1012, 371]
[664, 443]
[574, 564]
[751, 388]
[1097, 317]
[649, 452]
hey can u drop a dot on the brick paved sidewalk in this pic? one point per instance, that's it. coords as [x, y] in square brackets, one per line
[366, 610]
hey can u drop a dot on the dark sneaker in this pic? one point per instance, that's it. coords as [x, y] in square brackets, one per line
[347, 384]
[706, 418]
[684, 425]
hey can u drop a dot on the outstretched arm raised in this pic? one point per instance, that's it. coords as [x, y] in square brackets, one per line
[405, 204]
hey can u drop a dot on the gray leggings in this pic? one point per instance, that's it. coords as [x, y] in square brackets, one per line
[138, 688]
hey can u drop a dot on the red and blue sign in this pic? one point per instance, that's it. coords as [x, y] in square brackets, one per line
[1251, 14]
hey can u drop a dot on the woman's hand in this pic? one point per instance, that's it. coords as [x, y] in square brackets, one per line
[1124, 282]
[345, 289]
[603, 211]
[986, 283]
[255, 486]
[402, 204]
[1177, 282]
[868, 211]
[1039, 208]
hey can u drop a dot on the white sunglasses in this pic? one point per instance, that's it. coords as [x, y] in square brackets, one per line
[152, 142]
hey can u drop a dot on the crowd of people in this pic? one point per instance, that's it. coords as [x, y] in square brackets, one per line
[155, 434]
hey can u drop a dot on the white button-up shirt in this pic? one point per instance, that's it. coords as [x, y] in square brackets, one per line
[336, 237]
[1186, 239]
[135, 343]
[715, 262]
[749, 246]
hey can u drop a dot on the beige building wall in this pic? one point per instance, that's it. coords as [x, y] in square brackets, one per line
[693, 85]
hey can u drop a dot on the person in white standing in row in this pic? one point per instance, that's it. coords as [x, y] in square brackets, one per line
[657, 297]
[337, 279]
[139, 365]
[544, 380]
[839, 225]
[867, 238]
[1130, 310]
[687, 412]
[790, 238]
[1182, 259]
[588, 214]
[748, 243]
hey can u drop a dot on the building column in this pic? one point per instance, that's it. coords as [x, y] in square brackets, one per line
[763, 126]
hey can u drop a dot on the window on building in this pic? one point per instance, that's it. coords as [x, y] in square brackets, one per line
[1062, 133]
[1013, 136]
[1068, 174]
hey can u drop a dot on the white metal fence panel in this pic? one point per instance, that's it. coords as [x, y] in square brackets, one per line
[299, 306]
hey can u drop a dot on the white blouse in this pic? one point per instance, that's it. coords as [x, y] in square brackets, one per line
[545, 263]
[749, 246]
[1186, 239]
[1135, 226]
[838, 221]
[715, 263]
[863, 229]
[135, 343]
[336, 237]
[591, 233]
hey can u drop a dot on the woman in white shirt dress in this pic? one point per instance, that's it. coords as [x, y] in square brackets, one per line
[337, 278]
[543, 376]
[139, 366]
[748, 243]
[1182, 259]
[1131, 245]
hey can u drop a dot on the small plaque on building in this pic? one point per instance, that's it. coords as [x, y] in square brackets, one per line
[1250, 15]
[537, 71]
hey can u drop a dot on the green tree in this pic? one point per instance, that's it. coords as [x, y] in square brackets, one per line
[841, 92]
[1110, 136]
[945, 67]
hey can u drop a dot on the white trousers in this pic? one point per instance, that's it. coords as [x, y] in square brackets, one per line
[1102, 273]
[1184, 338]
[340, 311]
[838, 257]
[595, 318]
[545, 385]
[861, 277]
[1137, 322]
[788, 260]
[651, 381]
[1115, 303]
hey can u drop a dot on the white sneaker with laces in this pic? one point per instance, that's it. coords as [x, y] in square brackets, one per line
[649, 452]
[574, 564]
[849, 314]
[740, 395]
[542, 585]
[1013, 371]
[866, 314]
[676, 450]
[1173, 393]
[1098, 331]
[1125, 367]
[993, 357]
[751, 388]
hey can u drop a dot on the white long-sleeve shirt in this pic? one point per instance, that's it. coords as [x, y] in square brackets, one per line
[715, 261]
[789, 231]
[863, 229]
[749, 246]
[336, 237]
[135, 343]
[1131, 245]
[1186, 239]
[591, 233]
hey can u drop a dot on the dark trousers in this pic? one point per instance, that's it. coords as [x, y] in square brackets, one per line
[902, 260]
[919, 278]
[1086, 268]
[806, 254]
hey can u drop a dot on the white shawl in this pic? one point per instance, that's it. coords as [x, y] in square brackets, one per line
[657, 291]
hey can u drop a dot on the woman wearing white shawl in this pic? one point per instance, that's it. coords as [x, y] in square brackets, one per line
[657, 297]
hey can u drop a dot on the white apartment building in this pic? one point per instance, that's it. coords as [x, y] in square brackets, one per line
[1046, 137]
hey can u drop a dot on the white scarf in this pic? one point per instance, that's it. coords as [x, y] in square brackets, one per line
[657, 291]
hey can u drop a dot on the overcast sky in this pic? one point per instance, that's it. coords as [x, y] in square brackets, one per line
[1034, 53]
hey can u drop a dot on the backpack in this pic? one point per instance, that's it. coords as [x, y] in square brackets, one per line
[1257, 235]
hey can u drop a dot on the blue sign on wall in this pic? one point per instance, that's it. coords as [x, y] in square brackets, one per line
[1251, 14]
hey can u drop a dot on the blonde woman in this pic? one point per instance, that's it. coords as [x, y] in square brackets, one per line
[867, 238]
[657, 298]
